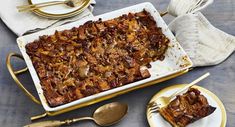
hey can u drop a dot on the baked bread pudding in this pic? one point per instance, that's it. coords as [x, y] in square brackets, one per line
[97, 56]
[187, 108]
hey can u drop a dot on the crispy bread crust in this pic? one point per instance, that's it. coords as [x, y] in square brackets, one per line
[96, 56]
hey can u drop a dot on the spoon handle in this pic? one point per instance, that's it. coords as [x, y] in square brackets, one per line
[51, 123]
[57, 123]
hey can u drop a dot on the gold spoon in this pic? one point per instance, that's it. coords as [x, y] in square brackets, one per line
[70, 3]
[105, 115]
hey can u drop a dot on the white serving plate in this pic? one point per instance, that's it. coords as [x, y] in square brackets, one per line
[176, 60]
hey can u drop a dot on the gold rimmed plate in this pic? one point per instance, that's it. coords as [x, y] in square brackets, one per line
[218, 117]
[59, 11]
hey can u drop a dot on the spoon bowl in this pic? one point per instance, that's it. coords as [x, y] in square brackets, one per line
[110, 114]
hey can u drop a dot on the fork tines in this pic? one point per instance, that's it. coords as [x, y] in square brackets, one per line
[153, 107]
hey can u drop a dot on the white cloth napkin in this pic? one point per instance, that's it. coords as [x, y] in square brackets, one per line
[205, 44]
[21, 23]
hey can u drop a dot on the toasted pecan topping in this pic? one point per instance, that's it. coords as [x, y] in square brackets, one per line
[97, 56]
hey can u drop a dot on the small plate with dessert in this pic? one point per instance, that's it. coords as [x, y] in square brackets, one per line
[197, 107]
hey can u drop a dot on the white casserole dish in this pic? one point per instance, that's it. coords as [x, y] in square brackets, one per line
[176, 60]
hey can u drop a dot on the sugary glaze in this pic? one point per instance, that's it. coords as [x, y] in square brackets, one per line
[96, 56]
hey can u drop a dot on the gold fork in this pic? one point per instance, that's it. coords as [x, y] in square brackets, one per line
[70, 3]
[164, 100]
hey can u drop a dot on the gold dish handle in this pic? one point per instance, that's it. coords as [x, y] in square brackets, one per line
[163, 13]
[14, 73]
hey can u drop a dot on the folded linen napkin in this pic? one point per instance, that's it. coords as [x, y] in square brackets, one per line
[28, 22]
[205, 44]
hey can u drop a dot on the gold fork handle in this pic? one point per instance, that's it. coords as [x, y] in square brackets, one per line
[189, 85]
[33, 7]
[39, 4]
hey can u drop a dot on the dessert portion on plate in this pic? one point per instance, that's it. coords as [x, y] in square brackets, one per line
[187, 108]
[97, 56]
